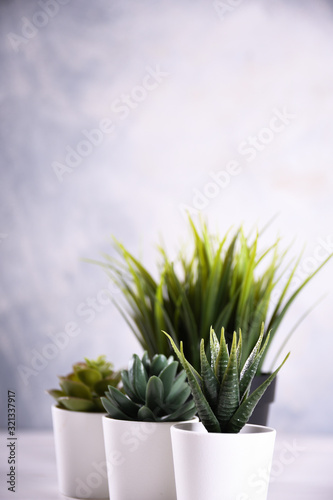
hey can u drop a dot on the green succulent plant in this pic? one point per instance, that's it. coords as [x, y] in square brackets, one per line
[222, 389]
[82, 389]
[215, 281]
[153, 391]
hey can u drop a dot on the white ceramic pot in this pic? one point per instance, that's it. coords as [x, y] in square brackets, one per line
[222, 466]
[139, 460]
[80, 453]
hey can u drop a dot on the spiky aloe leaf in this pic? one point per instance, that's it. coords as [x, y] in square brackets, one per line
[254, 351]
[222, 358]
[244, 412]
[251, 364]
[234, 406]
[239, 350]
[210, 383]
[205, 412]
[214, 347]
[228, 398]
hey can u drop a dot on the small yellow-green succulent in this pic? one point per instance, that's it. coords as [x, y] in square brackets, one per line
[82, 389]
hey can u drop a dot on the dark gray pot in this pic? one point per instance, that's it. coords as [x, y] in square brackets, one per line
[260, 414]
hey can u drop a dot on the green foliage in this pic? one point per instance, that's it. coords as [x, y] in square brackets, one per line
[220, 282]
[82, 389]
[153, 392]
[221, 391]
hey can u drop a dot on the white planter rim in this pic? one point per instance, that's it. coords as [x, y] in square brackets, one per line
[166, 423]
[56, 408]
[197, 428]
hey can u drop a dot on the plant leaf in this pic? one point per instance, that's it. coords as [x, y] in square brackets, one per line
[250, 370]
[184, 412]
[167, 375]
[154, 393]
[56, 394]
[214, 347]
[222, 358]
[228, 398]
[178, 397]
[138, 377]
[75, 389]
[89, 377]
[113, 411]
[205, 412]
[77, 404]
[128, 388]
[245, 410]
[209, 381]
[159, 362]
[102, 385]
[122, 402]
[146, 414]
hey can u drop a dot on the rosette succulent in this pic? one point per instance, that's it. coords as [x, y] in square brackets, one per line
[82, 389]
[153, 391]
[222, 389]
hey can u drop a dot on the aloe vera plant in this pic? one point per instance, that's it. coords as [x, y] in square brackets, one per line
[82, 389]
[216, 281]
[152, 392]
[221, 390]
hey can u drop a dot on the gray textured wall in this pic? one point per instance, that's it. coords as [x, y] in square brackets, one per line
[179, 89]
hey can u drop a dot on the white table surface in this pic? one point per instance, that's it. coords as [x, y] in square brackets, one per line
[302, 468]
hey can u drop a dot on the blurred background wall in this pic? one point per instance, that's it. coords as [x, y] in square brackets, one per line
[117, 116]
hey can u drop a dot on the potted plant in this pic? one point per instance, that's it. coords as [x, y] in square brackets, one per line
[137, 428]
[78, 432]
[223, 456]
[215, 281]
